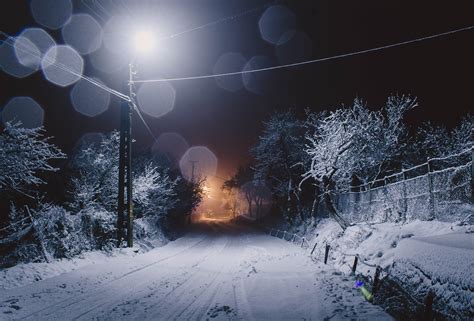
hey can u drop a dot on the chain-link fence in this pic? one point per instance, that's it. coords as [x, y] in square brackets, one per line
[439, 189]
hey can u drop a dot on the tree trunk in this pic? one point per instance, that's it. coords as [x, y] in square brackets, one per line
[334, 212]
[330, 205]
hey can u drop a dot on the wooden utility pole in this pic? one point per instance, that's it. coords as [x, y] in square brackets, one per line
[193, 165]
[125, 202]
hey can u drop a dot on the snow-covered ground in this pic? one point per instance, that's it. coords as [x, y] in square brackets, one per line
[217, 272]
[420, 256]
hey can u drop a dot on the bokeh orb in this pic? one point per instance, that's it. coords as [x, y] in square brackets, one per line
[118, 34]
[229, 62]
[258, 82]
[9, 62]
[156, 99]
[197, 163]
[52, 14]
[294, 46]
[172, 145]
[83, 33]
[27, 53]
[88, 99]
[24, 110]
[31, 46]
[274, 22]
[62, 65]
[107, 61]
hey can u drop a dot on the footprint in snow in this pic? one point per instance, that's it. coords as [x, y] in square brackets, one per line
[254, 270]
[223, 310]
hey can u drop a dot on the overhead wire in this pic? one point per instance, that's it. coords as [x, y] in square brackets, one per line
[10, 41]
[307, 62]
[216, 22]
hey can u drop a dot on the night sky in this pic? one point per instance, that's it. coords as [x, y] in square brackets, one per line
[439, 72]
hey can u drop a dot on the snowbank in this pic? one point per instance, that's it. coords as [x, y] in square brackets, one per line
[421, 256]
[23, 274]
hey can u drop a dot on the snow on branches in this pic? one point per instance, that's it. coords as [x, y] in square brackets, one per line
[355, 141]
[24, 152]
[352, 142]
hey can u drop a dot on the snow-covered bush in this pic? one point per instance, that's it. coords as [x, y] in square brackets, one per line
[58, 231]
[154, 191]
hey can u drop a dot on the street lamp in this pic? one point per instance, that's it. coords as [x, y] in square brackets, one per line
[143, 43]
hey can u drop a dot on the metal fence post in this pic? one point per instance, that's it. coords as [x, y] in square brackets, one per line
[431, 193]
[326, 253]
[314, 248]
[376, 279]
[472, 172]
[405, 199]
[354, 266]
[429, 306]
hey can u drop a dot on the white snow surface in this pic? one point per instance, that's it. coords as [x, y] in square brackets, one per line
[219, 271]
[421, 255]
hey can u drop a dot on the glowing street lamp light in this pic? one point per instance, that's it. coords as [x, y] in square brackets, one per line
[143, 43]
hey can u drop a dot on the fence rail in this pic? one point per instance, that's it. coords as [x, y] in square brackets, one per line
[437, 194]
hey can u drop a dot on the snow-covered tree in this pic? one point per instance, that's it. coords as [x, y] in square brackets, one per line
[24, 153]
[154, 191]
[97, 182]
[279, 156]
[353, 141]
[437, 141]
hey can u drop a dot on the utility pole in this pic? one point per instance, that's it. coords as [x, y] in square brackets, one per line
[193, 164]
[125, 202]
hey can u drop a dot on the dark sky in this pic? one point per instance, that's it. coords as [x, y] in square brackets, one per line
[439, 71]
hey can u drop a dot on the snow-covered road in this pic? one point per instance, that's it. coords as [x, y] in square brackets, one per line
[217, 272]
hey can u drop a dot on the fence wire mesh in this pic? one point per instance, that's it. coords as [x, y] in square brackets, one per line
[440, 189]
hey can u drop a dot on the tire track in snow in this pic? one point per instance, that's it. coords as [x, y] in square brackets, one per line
[58, 305]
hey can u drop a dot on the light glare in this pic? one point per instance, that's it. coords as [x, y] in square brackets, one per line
[144, 41]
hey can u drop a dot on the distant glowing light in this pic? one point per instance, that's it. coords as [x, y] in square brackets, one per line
[144, 41]
[25, 110]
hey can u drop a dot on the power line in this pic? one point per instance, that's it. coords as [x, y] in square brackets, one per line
[216, 22]
[63, 67]
[307, 62]
[10, 41]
